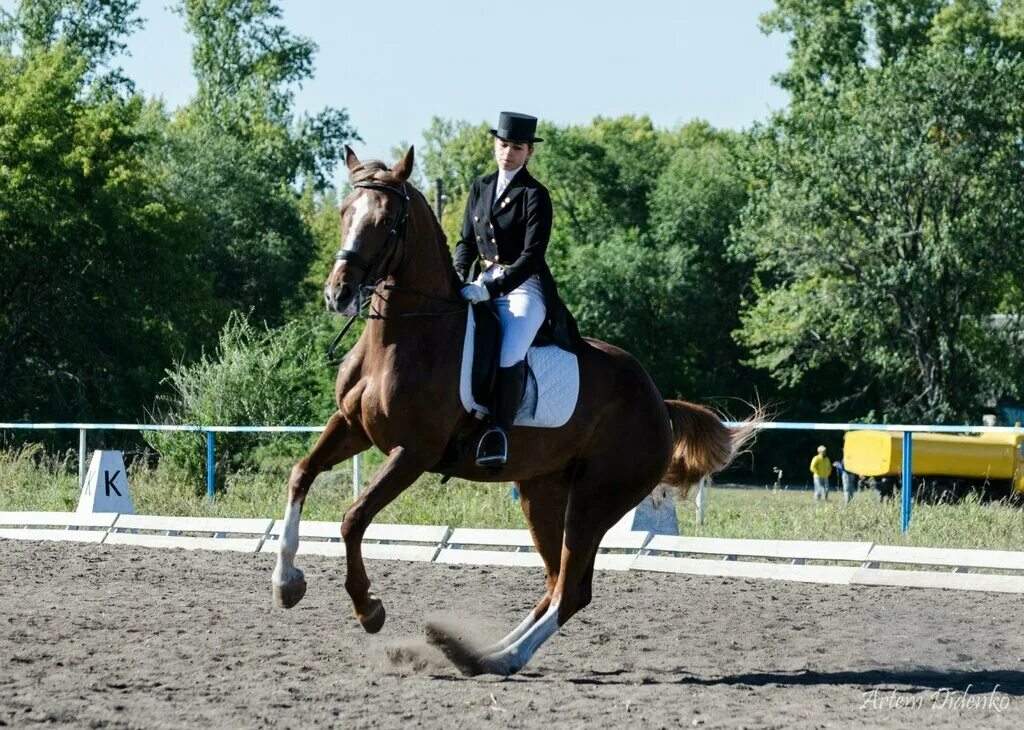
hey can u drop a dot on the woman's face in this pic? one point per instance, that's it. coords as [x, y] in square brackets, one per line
[511, 155]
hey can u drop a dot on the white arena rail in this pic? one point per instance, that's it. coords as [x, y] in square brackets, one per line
[473, 546]
[798, 551]
[671, 554]
[842, 563]
[418, 543]
[212, 532]
[65, 526]
[960, 560]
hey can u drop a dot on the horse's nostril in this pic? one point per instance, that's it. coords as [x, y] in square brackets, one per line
[344, 292]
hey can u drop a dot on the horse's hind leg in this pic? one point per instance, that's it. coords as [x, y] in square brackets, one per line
[400, 470]
[583, 531]
[579, 550]
[339, 441]
[543, 501]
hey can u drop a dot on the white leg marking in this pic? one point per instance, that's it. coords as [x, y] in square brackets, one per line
[513, 637]
[515, 657]
[285, 571]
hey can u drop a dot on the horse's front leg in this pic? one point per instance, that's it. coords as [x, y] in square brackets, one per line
[340, 440]
[400, 470]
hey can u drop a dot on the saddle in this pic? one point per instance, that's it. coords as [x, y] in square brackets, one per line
[549, 394]
[552, 374]
[486, 351]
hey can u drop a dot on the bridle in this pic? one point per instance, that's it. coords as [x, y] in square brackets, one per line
[385, 257]
[396, 234]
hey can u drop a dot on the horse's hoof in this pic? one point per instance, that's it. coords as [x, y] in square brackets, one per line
[373, 620]
[465, 658]
[290, 593]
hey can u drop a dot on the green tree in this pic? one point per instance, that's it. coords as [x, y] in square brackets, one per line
[256, 244]
[99, 283]
[91, 31]
[694, 205]
[247, 65]
[455, 152]
[828, 39]
[243, 155]
[586, 189]
[884, 232]
[831, 41]
[639, 153]
[638, 298]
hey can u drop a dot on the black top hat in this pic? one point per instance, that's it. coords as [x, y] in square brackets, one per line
[516, 127]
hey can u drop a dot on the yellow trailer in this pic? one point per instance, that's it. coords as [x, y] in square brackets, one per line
[991, 462]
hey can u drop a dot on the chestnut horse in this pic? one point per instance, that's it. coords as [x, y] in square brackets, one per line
[398, 390]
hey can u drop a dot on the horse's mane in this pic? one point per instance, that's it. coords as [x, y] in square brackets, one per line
[378, 171]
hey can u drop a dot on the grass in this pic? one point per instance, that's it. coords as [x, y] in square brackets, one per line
[787, 514]
[30, 479]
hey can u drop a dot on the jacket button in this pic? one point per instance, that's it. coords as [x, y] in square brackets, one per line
[476, 218]
[490, 225]
[479, 238]
[492, 240]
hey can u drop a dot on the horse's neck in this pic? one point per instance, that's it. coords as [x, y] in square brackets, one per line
[415, 338]
[420, 303]
[414, 292]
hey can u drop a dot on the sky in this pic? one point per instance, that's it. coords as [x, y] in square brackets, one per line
[394, 64]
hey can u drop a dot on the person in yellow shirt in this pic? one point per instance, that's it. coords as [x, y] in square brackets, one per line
[821, 470]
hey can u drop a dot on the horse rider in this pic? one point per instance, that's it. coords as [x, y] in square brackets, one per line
[501, 250]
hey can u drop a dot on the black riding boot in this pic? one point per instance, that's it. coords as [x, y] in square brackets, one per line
[508, 393]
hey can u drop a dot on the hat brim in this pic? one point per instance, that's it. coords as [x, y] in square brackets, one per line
[494, 133]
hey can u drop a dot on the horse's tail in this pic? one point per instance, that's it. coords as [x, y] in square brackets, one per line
[703, 444]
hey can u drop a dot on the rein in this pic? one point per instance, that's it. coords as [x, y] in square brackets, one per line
[395, 235]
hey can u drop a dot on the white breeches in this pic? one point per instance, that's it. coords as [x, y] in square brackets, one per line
[521, 312]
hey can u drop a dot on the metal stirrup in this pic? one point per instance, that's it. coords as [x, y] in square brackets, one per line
[492, 459]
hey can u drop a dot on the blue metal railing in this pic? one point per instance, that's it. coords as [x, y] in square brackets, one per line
[906, 429]
[908, 473]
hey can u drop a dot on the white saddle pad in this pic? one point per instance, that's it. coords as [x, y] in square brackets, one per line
[552, 383]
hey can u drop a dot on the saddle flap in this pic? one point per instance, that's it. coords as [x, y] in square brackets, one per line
[486, 348]
[552, 374]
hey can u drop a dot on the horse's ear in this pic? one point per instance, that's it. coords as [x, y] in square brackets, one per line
[350, 159]
[403, 168]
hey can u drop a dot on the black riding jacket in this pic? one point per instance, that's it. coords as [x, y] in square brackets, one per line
[513, 231]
